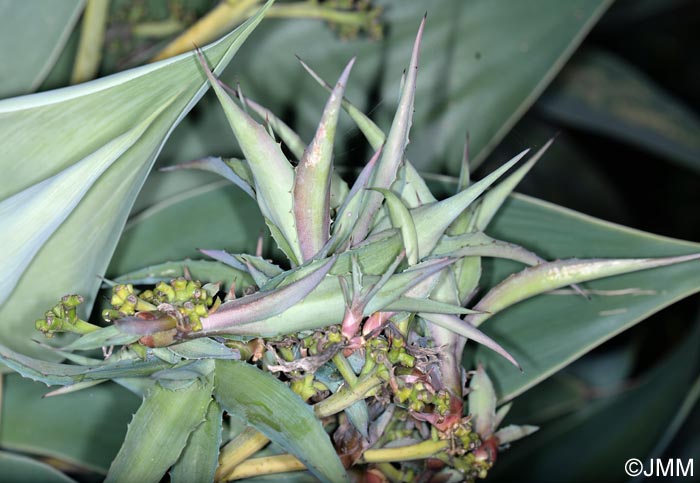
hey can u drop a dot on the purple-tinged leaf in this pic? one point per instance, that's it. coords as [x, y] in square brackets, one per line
[295, 144]
[327, 303]
[394, 148]
[312, 182]
[465, 329]
[146, 323]
[262, 305]
[273, 175]
[349, 211]
[550, 276]
[482, 403]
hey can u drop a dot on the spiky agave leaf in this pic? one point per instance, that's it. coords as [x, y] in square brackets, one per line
[364, 323]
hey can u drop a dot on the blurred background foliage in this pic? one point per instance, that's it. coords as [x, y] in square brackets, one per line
[616, 83]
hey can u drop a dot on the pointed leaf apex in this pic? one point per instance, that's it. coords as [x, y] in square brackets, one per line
[343, 79]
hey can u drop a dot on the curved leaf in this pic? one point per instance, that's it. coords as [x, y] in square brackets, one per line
[553, 275]
[272, 408]
[549, 332]
[602, 93]
[273, 193]
[312, 182]
[263, 305]
[466, 329]
[401, 219]
[48, 137]
[20, 469]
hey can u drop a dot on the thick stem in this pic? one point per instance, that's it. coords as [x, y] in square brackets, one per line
[347, 396]
[345, 368]
[87, 60]
[286, 462]
[318, 11]
[418, 451]
[247, 443]
[220, 19]
[81, 327]
[266, 466]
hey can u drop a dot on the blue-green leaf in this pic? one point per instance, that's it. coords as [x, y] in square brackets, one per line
[199, 459]
[159, 431]
[272, 408]
[78, 157]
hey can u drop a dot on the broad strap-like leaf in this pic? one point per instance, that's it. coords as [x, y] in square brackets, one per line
[159, 432]
[30, 217]
[48, 138]
[18, 468]
[550, 276]
[312, 183]
[272, 408]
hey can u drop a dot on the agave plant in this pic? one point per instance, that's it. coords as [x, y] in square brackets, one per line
[346, 358]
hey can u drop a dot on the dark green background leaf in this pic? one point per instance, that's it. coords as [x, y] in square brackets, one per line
[600, 92]
[20, 469]
[272, 408]
[32, 34]
[85, 428]
[550, 331]
[593, 443]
